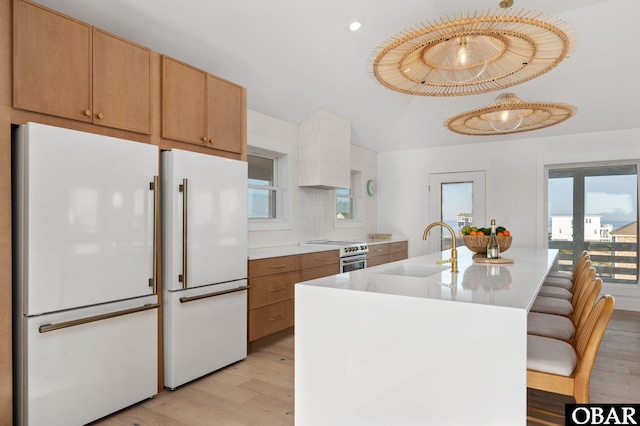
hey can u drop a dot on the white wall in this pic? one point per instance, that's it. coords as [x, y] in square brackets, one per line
[312, 210]
[514, 183]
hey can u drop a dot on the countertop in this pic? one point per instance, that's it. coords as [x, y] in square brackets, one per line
[512, 285]
[294, 249]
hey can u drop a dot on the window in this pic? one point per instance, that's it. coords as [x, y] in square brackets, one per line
[349, 200]
[269, 183]
[263, 187]
[595, 208]
[457, 199]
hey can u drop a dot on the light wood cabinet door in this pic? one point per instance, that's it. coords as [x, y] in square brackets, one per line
[51, 63]
[398, 251]
[121, 83]
[320, 272]
[270, 319]
[273, 265]
[377, 260]
[183, 102]
[226, 115]
[272, 289]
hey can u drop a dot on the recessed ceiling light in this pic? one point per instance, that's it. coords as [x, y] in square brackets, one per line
[355, 25]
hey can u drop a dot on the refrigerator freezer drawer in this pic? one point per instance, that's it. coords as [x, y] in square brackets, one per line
[75, 372]
[205, 329]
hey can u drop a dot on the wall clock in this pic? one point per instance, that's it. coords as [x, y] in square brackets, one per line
[372, 187]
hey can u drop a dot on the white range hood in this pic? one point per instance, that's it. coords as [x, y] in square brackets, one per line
[324, 151]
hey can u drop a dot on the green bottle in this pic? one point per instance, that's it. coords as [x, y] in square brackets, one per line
[493, 249]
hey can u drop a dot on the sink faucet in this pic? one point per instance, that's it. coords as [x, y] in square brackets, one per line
[454, 252]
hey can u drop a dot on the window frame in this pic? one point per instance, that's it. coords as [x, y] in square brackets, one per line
[272, 188]
[356, 192]
[582, 170]
[283, 153]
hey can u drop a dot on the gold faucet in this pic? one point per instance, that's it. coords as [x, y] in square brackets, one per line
[454, 252]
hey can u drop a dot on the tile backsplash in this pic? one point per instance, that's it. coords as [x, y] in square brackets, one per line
[312, 209]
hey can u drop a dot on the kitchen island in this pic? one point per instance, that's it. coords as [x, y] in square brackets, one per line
[411, 343]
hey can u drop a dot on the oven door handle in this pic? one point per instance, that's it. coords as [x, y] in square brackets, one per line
[352, 261]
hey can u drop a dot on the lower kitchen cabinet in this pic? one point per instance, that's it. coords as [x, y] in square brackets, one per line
[270, 319]
[387, 252]
[320, 264]
[398, 251]
[272, 281]
[378, 254]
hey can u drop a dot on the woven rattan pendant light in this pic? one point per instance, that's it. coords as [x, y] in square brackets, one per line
[509, 114]
[472, 53]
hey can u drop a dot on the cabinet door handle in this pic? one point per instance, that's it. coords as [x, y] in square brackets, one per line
[204, 139]
[279, 317]
[284, 265]
[100, 115]
[273, 290]
[87, 112]
[322, 259]
[377, 250]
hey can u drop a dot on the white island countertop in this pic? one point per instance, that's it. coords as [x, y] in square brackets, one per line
[511, 285]
[410, 343]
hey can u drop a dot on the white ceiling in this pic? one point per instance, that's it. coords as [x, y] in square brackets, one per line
[297, 56]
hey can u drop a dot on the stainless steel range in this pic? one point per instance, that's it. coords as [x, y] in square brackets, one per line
[353, 255]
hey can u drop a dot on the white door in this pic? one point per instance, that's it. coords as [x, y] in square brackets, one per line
[86, 218]
[454, 197]
[215, 192]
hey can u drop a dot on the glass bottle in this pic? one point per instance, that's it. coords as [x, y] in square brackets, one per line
[493, 249]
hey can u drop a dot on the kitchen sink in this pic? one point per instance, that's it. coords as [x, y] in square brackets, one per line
[414, 270]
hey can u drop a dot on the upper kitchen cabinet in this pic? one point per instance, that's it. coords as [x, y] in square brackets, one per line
[227, 115]
[66, 68]
[121, 83]
[201, 109]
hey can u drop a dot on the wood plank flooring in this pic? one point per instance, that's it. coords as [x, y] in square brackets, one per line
[259, 390]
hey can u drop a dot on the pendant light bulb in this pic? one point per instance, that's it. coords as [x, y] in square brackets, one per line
[506, 119]
[460, 59]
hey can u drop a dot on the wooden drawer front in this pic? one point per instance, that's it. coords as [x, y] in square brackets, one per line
[311, 260]
[400, 255]
[270, 319]
[273, 265]
[377, 260]
[378, 249]
[319, 272]
[398, 247]
[271, 289]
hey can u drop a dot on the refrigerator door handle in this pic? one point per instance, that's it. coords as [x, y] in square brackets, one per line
[52, 327]
[183, 188]
[155, 187]
[214, 294]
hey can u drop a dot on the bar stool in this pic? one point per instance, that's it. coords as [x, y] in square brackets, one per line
[560, 327]
[557, 306]
[565, 368]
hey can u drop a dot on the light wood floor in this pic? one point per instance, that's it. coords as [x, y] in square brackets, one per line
[259, 390]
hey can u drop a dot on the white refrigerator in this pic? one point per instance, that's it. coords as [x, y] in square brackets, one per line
[204, 223]
[85, 301]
